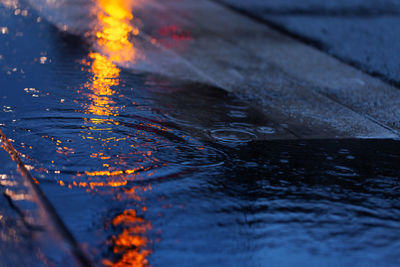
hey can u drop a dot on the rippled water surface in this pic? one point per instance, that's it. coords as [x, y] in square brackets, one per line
[148, 170]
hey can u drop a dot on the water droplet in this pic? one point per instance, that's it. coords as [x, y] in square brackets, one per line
[4, 30]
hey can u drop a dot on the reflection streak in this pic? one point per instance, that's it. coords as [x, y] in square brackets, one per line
[113, 29]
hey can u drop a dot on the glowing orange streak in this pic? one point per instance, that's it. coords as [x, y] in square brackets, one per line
[104, 173]
[105, 76]
[101, 184]
[114, 46]
[114, 173]
[113, 43]
[131, 243]
[115, 28]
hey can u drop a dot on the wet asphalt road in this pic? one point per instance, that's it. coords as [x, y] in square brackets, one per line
[365, 34]
[144, 169]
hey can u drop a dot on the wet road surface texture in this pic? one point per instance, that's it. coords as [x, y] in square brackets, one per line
[364, 33]
[146, 170]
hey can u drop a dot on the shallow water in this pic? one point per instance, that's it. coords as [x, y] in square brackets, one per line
[145, 169]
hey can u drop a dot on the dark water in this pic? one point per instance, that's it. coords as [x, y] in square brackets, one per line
[143, 168]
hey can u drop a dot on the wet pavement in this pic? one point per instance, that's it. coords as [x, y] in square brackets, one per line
[362, 33]
[145, 169]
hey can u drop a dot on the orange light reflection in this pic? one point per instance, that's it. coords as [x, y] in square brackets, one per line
[113, 29]
[131, 243]
[105, 75]
[112, 32]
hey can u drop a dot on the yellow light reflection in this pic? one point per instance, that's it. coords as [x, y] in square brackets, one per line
[105, 75]
[113, 30]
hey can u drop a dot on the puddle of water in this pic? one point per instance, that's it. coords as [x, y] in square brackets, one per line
[26, 227]
[145, 170]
